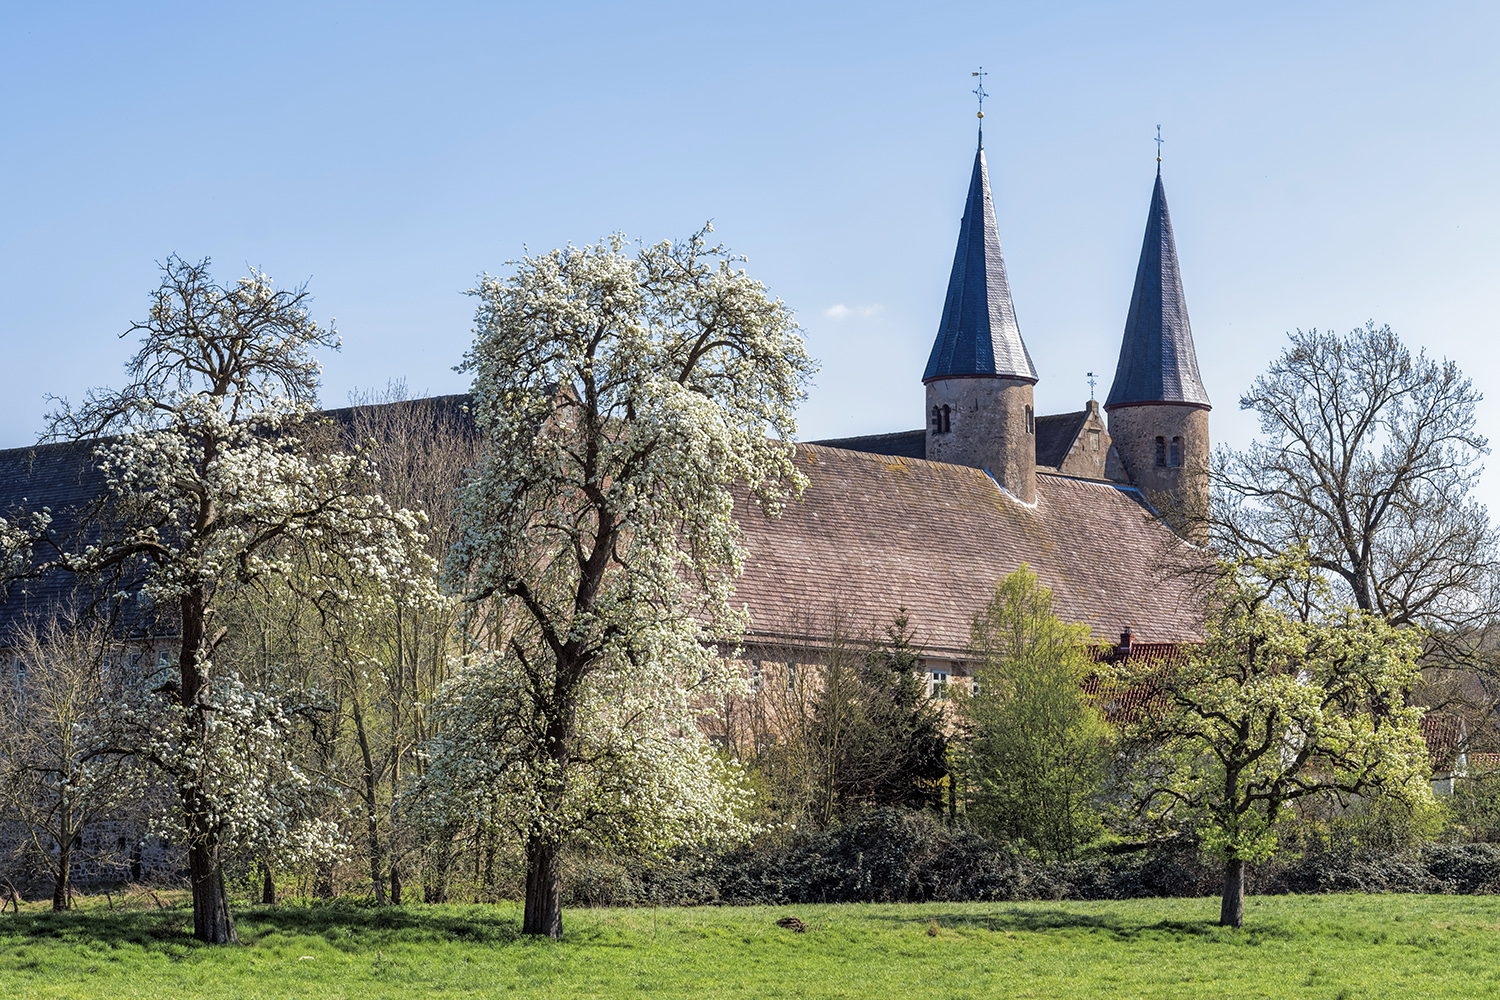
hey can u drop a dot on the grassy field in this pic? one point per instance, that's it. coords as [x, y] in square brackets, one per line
[1389, 947]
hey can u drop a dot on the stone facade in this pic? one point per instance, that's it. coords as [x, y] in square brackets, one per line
[985, 423]
[1164, 449]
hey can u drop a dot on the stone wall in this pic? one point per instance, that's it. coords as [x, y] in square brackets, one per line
[991, 426]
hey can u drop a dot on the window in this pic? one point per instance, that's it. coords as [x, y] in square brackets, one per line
[942, 419]
[1094, 440]
[163, 660]
[1175, 458]
[974, 687]
[1030, 421]
[757, 677]
[791, 676]
[939, 688]
[1161, 451]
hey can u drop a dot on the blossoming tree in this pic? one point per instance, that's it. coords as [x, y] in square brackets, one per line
[1278, 704]
[209, 493]
[620, 395]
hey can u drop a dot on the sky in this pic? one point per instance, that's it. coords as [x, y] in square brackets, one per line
[1325, 164]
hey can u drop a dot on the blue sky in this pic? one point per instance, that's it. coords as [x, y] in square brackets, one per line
[1326, 163]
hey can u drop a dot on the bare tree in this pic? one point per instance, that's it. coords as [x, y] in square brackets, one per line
[1369, 460]
[60, 765]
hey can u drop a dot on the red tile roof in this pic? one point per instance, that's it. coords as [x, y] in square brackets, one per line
[876, 532]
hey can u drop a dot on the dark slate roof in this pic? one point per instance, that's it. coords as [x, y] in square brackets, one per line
[1157, 360]
[907, 444]
[979, 334]
[65, 479]
[1055, 434]
[874, 533]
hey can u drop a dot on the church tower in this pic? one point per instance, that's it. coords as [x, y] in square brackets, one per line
[1158, 408]
[979, 376]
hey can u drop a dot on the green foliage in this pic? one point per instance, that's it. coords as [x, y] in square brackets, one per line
[1037, 746]
[879, 735]
[1274, 708]
[1474, 809]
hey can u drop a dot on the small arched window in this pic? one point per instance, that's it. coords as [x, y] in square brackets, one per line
[1174, 459]
[942, 419]
[1161, 451]
[1030, 421]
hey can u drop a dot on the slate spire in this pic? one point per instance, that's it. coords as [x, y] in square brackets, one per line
[978, 334]
[1157, 360]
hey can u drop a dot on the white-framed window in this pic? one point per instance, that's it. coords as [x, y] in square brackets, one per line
[939, 684]
[791, 676]
[757, 676]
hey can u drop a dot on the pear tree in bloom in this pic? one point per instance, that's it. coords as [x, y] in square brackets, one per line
[209, 493]
[621, 391]
[1278, 704]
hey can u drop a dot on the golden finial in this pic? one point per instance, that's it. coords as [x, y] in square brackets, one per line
[979, 90]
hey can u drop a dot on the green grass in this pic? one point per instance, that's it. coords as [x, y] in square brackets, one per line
[1387, 947]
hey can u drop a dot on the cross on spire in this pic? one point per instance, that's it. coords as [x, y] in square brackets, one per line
[979, 90]
[1091, 384]
[1159, 141]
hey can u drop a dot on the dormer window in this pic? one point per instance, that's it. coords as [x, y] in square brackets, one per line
[1174, 457]
[1161, 452]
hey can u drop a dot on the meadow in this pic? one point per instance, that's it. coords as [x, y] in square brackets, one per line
[1334, 946]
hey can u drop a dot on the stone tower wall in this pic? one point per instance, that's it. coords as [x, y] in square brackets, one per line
[992, 425]
[1180, 491]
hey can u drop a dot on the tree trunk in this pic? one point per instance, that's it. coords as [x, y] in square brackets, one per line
[267, 885]
[543, 913]
[60, 885]
[1232, 911]
[372, 804]
[211, 920]
[435, 885]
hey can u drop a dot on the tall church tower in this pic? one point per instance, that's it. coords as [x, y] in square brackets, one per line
[979, 377]
[1158, 408]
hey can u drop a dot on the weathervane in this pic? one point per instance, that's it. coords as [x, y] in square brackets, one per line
[979, 90]
[1091, 385]
[1159, 141]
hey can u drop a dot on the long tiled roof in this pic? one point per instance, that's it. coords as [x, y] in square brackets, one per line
[1157, 361]
[978, 334]
[874, 533]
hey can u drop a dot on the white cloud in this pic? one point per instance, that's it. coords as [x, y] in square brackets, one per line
[841, 311]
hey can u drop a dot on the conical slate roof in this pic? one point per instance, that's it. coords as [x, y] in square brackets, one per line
[979, 335]
[1157, 360]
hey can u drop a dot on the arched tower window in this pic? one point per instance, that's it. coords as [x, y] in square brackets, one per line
[1030, 421]
[942, 419]
[947, 419]
[1174, 458]
[1161, 451]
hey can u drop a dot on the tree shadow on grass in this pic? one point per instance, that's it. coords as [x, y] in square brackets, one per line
[344, 925]
[1117, 927]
